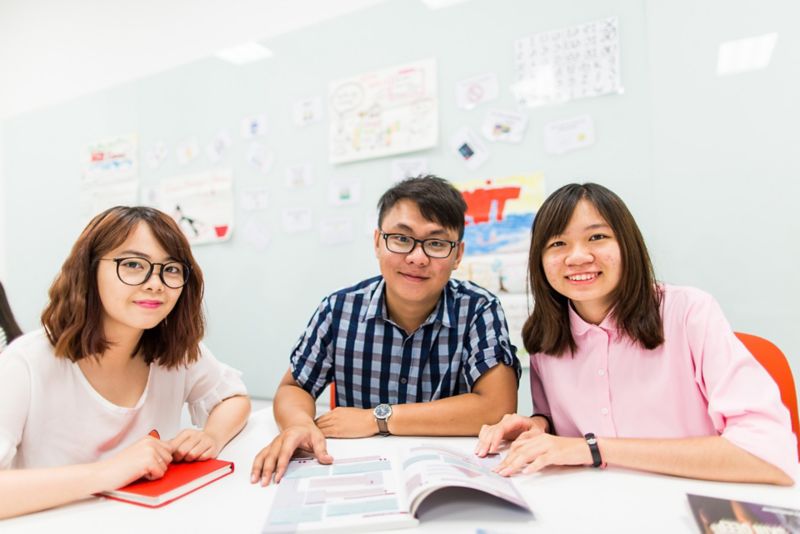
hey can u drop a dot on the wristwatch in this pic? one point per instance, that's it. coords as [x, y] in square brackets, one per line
[382, 413]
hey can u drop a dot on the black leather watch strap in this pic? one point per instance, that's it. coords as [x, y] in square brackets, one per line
[591, 440]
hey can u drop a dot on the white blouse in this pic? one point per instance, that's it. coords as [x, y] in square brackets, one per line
[50, 415]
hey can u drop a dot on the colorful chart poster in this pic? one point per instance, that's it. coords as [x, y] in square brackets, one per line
[110, 160]
[202, 204]
[500, 212]
[561, 65]
[385, 112]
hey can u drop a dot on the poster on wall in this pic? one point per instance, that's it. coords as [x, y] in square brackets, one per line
[567, 64]
[110, 175]
[384, 112]
[110, 160]
[500, 212]
[202, 205]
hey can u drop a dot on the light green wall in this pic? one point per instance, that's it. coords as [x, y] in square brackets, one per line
[671, 146]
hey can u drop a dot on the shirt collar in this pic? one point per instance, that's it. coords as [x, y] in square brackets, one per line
[444, 312]
[580, 327]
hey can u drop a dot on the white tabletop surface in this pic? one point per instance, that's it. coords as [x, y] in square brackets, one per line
[570, 500]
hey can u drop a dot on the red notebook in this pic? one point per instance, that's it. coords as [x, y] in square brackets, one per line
[180, 479]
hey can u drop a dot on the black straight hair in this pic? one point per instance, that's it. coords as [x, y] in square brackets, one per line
[438, 201]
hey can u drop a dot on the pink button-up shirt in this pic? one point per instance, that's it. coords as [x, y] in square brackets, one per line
[700, 382]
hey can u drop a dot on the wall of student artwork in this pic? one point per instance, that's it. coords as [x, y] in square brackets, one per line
[275, 167]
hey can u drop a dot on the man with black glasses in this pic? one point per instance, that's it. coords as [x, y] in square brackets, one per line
[411, 351]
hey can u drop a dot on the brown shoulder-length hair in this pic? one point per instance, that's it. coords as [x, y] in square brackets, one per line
[637, 298]
[73, 318]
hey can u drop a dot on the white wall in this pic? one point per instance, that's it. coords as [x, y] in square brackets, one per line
[53, 51]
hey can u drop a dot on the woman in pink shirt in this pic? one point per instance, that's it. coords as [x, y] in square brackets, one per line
[629, 372]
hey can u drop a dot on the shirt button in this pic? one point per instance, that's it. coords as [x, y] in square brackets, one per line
[604, 411]
[403, 380]
[601, 372]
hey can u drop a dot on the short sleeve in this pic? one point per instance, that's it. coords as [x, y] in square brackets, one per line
[209, 382]
[312, 358]
[744, 403]
[15, 392]
[488, 343]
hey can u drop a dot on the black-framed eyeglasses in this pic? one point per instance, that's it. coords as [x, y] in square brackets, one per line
[135, 271]
[405, 244]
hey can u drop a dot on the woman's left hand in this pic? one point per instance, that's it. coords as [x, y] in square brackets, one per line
[191, 445]
[532, 452]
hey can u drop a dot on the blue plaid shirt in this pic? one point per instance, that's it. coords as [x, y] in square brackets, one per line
[351, 340]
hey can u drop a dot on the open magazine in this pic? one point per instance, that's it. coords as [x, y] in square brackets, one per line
[377, 492]
[715, 515]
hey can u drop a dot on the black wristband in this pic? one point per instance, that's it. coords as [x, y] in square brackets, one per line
[591, 440]
[550, 428]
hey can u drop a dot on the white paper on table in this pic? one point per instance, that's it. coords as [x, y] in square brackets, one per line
[403, 168]
[344, 191]
[473, 91]
[299, 176]
[296, 220]
[254, 126]
[336, 230]
[506, 126]
[187, 151]
[469, 148]
[308, 111]
[259, 157]
[567, 135]
[254, 199]
[218, 145]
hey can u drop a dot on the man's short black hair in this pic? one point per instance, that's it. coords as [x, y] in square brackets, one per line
[437, 199]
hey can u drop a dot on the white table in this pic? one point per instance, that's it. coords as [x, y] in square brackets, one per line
[564, 500]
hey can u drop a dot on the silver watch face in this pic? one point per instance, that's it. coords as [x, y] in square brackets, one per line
[382, 411]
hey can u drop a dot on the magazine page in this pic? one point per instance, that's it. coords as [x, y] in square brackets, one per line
[715, 515]
[352, 494]
[427, 468]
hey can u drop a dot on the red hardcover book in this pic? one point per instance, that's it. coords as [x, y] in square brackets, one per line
[179, 480]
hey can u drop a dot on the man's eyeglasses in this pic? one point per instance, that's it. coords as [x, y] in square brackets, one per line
[134, 271]
[405, 244]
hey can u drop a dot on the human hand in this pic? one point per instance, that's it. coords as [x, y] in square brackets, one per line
[191, 445]
[148, 458]
[274, 458]
[348, 423]
[533, 451]
[510, 427]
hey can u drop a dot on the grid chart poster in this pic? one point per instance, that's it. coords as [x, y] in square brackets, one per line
[567, 64]
[201, 204]
[384, 112]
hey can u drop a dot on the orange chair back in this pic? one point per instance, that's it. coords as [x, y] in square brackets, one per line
[774, 361]
[332, 391]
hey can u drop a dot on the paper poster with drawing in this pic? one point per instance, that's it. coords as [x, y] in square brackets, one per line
[384, 112]
[110, 160]
[202, 204]
[566, 64]
[500, 212]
